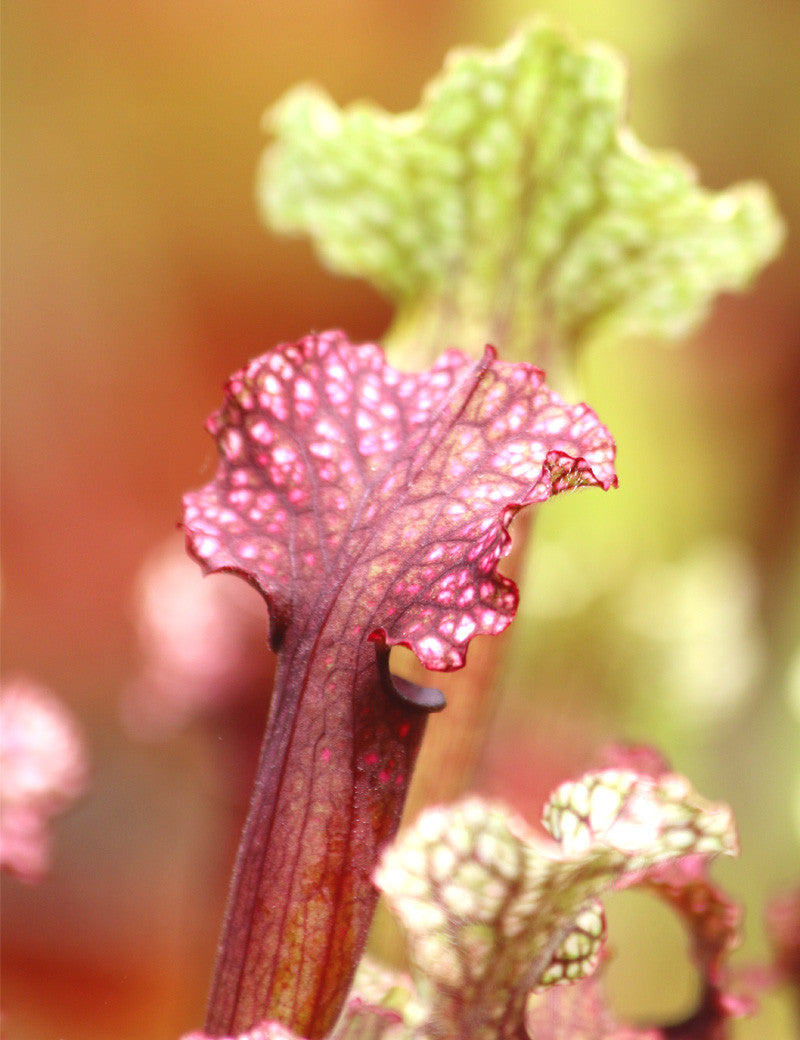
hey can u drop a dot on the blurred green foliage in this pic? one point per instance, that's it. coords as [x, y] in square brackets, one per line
[513, 206]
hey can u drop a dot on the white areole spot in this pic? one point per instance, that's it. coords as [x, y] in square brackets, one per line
[261, 432]
[284, 455]
[304, 391]
[322, 449]
[465, 629]
[604, 804]
[443, 861]
[430, 645]
[459, 900]
[231, 441]
[206, 546]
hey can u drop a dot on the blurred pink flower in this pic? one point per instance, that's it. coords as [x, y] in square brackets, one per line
[42, 769]
[203, 643]
[263, 1031]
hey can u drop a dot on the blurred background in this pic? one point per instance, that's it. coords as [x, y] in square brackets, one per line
[136, 278]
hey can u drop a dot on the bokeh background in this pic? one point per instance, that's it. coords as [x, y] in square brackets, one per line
[136, 277]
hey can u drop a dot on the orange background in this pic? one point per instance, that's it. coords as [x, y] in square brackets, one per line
[136, 278]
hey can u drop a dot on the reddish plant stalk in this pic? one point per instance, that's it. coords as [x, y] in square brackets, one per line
[301, 898]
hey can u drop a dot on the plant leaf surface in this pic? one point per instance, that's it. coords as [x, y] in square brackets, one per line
[492, 914]
[339, 474]
[513, 205]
